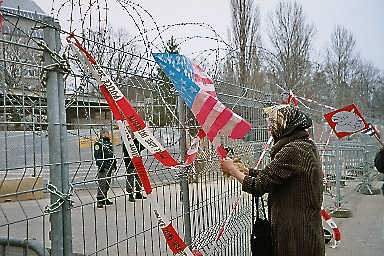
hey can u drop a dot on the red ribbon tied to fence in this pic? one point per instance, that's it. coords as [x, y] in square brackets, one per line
[121, 108]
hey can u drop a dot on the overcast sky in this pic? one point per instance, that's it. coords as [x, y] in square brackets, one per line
[363, 18]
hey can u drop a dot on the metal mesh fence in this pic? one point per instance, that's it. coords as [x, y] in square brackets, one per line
[34, 209]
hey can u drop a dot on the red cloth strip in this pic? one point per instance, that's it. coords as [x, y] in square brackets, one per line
[174, 241]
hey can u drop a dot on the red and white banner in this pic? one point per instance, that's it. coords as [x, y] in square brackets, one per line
[192, 152]
[175, 243]
[332, 224]
[139, 128]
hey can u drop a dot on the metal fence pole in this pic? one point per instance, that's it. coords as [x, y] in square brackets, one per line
[53, 112]
[366, 170]
[184, 184]
[338, 171]
[67, 225]
[28, 245]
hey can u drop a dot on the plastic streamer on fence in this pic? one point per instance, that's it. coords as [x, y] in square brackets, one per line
[308, 100]
[175, 243]
[222, 229]
[136, 123]
[333, 225]
[324, 214]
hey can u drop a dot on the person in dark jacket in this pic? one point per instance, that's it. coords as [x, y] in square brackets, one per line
[106, 163]
[293, 181]
[133, 183]
[379, 164]
[379, 160]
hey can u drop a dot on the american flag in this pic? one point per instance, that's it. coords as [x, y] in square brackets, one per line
[198, 91]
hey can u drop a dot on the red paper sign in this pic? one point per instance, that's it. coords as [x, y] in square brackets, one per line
[346, 121]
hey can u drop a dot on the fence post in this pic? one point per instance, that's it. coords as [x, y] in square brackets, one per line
[184, 183]
[338, 176]
[67, 223]
[56, 234]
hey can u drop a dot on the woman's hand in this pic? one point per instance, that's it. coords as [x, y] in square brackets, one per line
[229, 169]
[240, 166]
[227, 166]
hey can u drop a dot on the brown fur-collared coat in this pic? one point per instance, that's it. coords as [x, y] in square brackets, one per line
[293, 180]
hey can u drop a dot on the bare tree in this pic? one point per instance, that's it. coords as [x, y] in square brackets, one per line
[291, 37]
[368, 90]
[341, 65]
[115, 50]
[377, 94]
[243, 63]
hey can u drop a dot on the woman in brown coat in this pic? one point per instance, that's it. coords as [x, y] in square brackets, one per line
[293, 181]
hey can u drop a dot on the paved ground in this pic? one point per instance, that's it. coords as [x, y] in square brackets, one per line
[363, 233]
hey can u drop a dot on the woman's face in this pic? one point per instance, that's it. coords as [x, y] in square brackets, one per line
[269, 126]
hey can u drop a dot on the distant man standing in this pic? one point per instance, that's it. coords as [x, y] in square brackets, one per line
[134, 184]
[106, 163]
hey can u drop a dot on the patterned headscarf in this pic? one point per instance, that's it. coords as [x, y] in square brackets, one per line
[284, 119]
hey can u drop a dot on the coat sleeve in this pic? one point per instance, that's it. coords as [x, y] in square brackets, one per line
[281, 168]
[98, 154]
[379, 160]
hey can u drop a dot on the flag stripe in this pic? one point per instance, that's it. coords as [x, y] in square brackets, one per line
[221, 151]
[230, 125]
[240, 130]
[212, 93]
[133, 118]
[210, 116]
[198, 104]
[216, 141]
[203, 80]
[213, 116]
[219, 123]
[205, 110]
